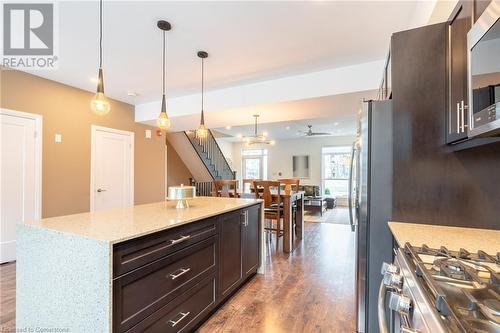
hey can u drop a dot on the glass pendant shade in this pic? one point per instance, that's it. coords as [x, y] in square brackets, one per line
[163, 121]
[201, 131]
[99, 103]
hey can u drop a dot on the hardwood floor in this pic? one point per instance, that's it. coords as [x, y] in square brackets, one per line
[7, 297]
[309, 290]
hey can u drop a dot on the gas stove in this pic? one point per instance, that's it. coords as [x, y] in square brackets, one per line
[438, 290]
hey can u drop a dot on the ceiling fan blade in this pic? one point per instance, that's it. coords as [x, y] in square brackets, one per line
[320, 133]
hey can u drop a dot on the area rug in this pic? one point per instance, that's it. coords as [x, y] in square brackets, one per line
[338, 215]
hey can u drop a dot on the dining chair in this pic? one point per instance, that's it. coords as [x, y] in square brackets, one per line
[225, 188]
[291, 184]
[247, 185]
[270, 192]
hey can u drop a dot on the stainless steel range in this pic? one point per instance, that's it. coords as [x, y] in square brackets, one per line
[437, 290]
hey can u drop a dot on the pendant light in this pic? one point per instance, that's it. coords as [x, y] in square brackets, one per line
[99, 103]
[257, 138]
[202, 131]
[163, 121]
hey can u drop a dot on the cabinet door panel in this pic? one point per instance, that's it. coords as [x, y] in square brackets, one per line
[251, 241]
[460, 24]
[230, 249]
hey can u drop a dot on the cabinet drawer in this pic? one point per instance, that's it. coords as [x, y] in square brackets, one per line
[139, 252]
[183, 313]
[140, 293]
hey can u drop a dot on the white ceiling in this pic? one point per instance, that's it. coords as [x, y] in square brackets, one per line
[337, 108]
[338, 126]
[246, 41]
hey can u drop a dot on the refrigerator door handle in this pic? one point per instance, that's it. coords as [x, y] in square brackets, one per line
[349, 197]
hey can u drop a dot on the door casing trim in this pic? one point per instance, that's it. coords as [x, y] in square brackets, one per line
[38, 153]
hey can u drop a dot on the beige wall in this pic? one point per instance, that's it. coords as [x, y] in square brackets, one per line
[177, 172]
[66, 165]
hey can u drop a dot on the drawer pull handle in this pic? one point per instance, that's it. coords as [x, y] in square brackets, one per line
[183, 315]
[180, 240]
[183, 271]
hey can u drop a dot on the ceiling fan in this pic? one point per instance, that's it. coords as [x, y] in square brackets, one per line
[310, 132]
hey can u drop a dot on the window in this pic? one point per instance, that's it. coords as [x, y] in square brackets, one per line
[335, 171]
[254, 163]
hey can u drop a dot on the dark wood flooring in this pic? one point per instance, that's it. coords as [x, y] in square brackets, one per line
[310, 290]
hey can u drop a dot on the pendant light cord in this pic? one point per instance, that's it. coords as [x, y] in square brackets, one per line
[202, 83]
[164, 61]
[100, 34]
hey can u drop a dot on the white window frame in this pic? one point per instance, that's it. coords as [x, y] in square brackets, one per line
[263, 160]
[323, 179]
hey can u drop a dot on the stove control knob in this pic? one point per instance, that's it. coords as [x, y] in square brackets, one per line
[400, 303]
[393, 280]
[389, 268]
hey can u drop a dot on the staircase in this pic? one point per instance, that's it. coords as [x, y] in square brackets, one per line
[211, 155]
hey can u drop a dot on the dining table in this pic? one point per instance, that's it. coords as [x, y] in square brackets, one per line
[293, 211]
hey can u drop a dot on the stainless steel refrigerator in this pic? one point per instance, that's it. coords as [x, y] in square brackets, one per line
[370, 206]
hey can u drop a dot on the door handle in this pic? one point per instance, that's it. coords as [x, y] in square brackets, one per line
[175, 322]
[180, 240]
[245, 218]
[349, 197]
[458, 118]
[463, 107]
[182, 272]
[101, 190]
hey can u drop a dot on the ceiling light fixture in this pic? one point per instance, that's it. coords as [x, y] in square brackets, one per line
[99, 104]
[202, 131]
[163, 121]
[257, 138]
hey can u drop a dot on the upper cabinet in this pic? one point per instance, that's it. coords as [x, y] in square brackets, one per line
[459, 24]
[385, 89]
[461, 20]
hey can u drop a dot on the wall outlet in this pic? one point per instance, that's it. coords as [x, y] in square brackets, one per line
[147, 134]
[58, 138]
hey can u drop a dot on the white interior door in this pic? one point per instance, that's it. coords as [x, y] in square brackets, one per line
[20, 176]
[112, 175]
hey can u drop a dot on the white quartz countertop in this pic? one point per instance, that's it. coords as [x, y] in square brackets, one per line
[453, 238]
[121, 224]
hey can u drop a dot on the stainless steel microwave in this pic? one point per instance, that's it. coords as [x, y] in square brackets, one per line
[483, 42]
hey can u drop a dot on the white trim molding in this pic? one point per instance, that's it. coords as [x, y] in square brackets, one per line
[38, 153]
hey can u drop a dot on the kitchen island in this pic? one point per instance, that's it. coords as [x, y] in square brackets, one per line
[149, 268]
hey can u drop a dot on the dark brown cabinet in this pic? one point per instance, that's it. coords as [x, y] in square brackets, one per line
[461, 20]
[240, 244]
[170, 281]
[251, 243]
[230, 251]
[459, 24]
